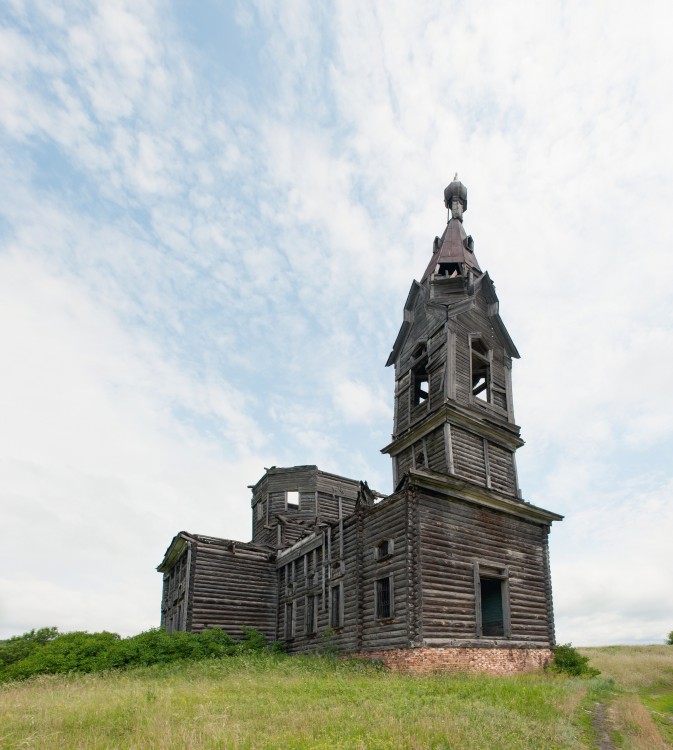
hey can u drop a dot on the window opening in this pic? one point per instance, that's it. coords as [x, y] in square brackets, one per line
[383, 549]
[420, 379]
[291, 501]
[311, 614]
[289, 620]
[492, 617]
[260, 510]
[481, 370]
[384, 604]
[335, 620]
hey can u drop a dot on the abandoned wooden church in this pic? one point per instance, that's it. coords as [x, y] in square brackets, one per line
[451, 571]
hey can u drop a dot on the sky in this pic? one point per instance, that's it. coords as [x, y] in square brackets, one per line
[210, 217]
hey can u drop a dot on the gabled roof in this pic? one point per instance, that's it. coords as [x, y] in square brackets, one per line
[483, 283]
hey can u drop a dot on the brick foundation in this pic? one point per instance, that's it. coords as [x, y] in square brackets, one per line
[491, 660]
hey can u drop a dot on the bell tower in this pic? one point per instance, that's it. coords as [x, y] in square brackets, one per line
[453, 358]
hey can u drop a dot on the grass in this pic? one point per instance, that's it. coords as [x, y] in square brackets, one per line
[274, 701]
[641, 702]
[260, 700]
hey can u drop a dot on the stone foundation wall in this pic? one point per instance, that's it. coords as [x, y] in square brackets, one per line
[491, 660]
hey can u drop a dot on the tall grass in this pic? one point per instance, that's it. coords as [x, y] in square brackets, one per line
[642, 714]
[274, 701]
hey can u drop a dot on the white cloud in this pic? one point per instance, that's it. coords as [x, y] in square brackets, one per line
[203, 278]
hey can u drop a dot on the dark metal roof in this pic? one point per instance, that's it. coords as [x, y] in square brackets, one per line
[452, 248]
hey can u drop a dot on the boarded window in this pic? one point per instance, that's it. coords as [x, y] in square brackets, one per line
[384, 598]
[480, 370]
[260, 510]
[336, 607]
[289, 620]
[311, 614]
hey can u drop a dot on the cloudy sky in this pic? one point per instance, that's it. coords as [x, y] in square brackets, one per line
[210, 216]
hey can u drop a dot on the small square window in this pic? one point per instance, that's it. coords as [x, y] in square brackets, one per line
[383, 549]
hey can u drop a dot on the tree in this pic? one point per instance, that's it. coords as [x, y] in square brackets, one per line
[670, 638]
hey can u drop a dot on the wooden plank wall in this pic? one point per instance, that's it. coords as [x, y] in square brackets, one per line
[319, 494]
[328, 560]
[174, 600]
[233, 586]
[455, 534]
[388, 520]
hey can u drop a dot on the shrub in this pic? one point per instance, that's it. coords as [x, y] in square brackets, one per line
[568, 660]
[47, 651]
[670, 638]
[21, 646]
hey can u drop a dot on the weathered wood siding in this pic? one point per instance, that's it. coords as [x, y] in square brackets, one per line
[233, 586]
[350, 562]
[476, 321]
[453, 536]
[386, 521]
[320, 496]
[468, 455]
[175, 598]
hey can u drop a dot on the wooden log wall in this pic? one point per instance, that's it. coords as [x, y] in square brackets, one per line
[386, 521]
[347, 558]
[453, 535]
[319, 493]
[233, 586]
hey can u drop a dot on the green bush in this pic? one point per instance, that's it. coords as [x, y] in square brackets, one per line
[21, 646]
[568, 660]
[670, 638]
[47, 651]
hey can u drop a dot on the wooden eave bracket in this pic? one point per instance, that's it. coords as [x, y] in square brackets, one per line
[406, 325]
[499, 327]
[175, 549]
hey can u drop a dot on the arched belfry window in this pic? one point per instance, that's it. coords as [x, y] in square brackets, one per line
[420, 382]
[480, 369]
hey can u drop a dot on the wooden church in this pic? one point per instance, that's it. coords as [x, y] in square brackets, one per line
[451, 571]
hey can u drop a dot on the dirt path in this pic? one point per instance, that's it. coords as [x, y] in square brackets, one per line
[601, 722]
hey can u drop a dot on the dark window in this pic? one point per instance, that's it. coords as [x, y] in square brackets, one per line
[383, 549]
[311, 611]
[420, 382]
[289, 620]
[492, 616]
[335, 614]
[481, 370]
[384, 598]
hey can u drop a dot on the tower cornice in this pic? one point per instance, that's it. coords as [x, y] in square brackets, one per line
[501, 432]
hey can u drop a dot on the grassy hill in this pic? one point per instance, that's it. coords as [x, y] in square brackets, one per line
[259, 700]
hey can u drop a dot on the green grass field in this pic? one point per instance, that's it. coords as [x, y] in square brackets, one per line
[262, 700]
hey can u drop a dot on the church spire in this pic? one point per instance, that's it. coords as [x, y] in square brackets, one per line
[453, 253]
